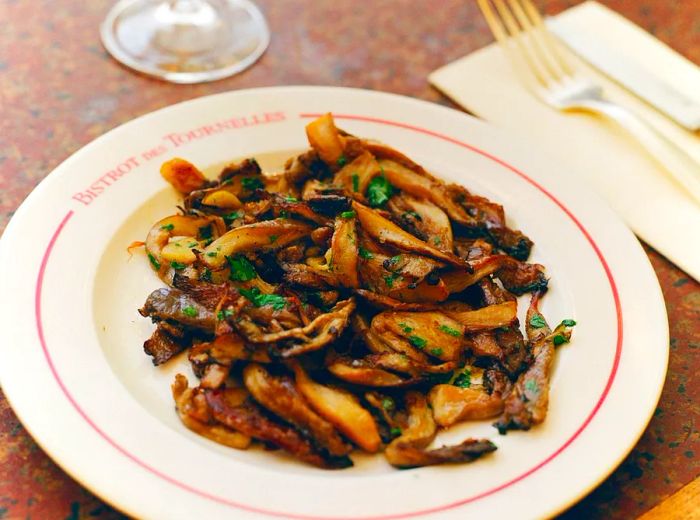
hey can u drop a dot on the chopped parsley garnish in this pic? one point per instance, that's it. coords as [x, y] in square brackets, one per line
[406, 328]
[367, 255]
[537, 321]
[226, 313]
[168, 227]
[559, 340]
[155, 263]
[436, 351]
[252, 183]
[355, 182]
[259, 299]
[531, 386]
[241, 268]
[568, 323]
[284, 214]
[190, 311]
[390, 279]
[417, 341]
[289, 198]
[205, 231]
[395, 432]
[395, 259]
[379, 191]
[206, 275]
[212, 254]
[388, 403]
[437, 241]
[232, 216]
[412, 214]
[342, 161]
[464, 379]
[348, 214]
[449, 330]
[178, 266]
[273, 238]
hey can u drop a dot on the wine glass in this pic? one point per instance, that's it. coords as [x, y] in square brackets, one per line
[185, 41]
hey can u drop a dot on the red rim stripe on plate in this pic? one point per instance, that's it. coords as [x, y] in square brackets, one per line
[221, 500]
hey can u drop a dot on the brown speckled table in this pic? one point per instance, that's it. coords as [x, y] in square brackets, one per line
[59, 90]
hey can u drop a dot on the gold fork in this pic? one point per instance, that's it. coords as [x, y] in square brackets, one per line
[545, 69]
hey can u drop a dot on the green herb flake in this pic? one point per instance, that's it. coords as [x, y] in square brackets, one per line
[252, 183]
[241, 268]
[537, 321]
[406, 328]
[178, 266]
[167, 227]
[206, 275]
[212, 254]
[348, 214]
[367, 255]
[284, 214]
[220, 316]
[559, 340]
[190, 311]
[568, 323]
[232, 216]
[154, 263]
[355, 182]
[289, 198]
[464, 379]
[342, 161]
[436, 351]
[395, 432]
[417, 341]
[531, 386]
[449, 330]
[437, 241]
[273, 238]
[379, 191]
[388, 403]
[259, 299]
[390, 279]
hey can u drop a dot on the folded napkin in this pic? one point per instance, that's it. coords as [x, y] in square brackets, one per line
[590, 147]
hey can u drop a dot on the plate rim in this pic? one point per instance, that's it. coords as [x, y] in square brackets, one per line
[62, 169]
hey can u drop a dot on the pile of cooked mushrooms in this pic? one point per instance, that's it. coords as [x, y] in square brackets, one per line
[352, 300]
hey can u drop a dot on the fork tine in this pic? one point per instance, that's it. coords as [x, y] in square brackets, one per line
[551, 44]
[540, 45]
[514, 55]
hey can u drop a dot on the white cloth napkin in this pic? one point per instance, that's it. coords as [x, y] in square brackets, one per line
[592, 148]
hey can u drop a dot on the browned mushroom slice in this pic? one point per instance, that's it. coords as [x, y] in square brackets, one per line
[266, 235]
[340, 408]
[484, 344]
[166, 258]
[325, 139]
[430, 332]
[183, 175]
[280, 396]
[306, 276]
[452, 404]
[458, 280]
[403, 364]
[224, 350]
[165, 343]
[386, 232]
[210, 295]
[194, 413]
[250, 420]
[344, 252]
[472, 249]
[429, 222]
[314, 336]
[384, 302]
[486, 318]
[364, 374]
[356, 175]
[326, 199]
[423, 292]
[409, 449]
[521, 277]
[176, 306]
[526, 404]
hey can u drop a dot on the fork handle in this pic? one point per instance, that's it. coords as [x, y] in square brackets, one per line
[684, 169]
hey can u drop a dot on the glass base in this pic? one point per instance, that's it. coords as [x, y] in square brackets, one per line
[186, 41]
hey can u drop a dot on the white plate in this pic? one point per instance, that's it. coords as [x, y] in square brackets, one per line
[73, 368]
